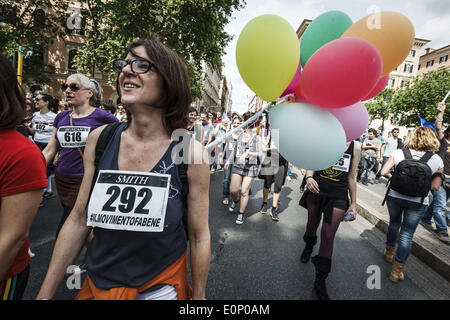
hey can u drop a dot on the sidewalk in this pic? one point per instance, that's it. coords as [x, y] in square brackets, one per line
[426, 246]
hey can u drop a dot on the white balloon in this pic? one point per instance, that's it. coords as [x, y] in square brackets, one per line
[310, 137]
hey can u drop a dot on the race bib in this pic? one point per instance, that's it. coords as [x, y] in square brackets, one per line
[241, 149]
[344, 163]
[73, 137]
[131, 201]
[42, 127]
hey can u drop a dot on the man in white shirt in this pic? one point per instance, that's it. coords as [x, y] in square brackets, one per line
[390, 145]
[370, 148]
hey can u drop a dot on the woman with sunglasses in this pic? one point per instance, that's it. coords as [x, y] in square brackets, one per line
[41, 129]
[71, 129]
[22, 180]
[137, 208]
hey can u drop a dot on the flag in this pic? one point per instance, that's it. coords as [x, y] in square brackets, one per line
[424, 123]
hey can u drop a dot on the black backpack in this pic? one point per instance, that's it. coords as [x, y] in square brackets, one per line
[102, 142]
[412, 177]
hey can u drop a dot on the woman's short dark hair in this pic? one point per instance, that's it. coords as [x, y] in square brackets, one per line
[373, 131]
[12, 96]
[177, 92]
[192, 109]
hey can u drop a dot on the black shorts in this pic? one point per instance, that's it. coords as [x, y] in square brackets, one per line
[279, 178]
[14, 287]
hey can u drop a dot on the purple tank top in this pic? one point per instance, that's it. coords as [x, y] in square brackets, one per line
[70, 163]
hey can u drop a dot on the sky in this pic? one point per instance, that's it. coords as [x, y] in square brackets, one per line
[431, 20]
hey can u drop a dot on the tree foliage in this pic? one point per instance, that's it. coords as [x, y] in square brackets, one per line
[32, 24]
[192, 28]
[379, 107]
[421, 99]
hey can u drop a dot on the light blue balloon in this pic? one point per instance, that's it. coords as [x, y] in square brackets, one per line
[309, 137]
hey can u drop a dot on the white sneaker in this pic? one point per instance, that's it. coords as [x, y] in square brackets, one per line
[240, 219]
[288, 178]
[232, 206]
[30, 253]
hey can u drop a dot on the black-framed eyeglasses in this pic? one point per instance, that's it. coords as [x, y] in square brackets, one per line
[73, 87]
[137, 66]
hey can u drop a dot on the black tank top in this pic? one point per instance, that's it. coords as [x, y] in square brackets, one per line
[117, 258]
[334, 180]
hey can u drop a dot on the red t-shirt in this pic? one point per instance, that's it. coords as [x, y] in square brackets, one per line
[22, 169]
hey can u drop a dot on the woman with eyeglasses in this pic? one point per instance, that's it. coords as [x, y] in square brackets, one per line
[70, 131]
[22, 180]
[139, 205]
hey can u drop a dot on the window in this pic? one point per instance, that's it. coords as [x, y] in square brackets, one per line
[430, 63]
[76, 22]
[391, 82]
[405, 84]
[39, 18]
[8, 13]
[408, 68]
[412, 53]
[70, 64]
[443, 59]
[418, 68]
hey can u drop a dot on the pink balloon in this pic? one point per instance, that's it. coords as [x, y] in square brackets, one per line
[378, 88]
[354, 119]
[290, 89]
[341, 73]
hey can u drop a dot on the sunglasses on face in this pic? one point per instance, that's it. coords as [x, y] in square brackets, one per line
[137, 66]
[73, 87]
[37, 99]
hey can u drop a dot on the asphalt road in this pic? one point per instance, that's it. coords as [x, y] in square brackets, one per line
[259, 260]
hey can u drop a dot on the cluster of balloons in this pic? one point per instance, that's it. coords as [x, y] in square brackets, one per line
[336, 65]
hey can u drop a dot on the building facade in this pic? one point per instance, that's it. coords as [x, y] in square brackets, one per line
[57, 55]
[434, 60]
[225, 91]
[210, 90]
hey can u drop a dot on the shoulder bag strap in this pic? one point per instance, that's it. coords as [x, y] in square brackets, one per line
[79, 150]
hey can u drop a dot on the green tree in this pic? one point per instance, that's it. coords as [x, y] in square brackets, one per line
[380, 106]
[32, 24]
[421, 99]
[193, 28]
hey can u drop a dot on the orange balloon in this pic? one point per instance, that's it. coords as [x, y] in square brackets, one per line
[391, 32]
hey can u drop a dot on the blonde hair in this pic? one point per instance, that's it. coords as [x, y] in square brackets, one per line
[422, 139]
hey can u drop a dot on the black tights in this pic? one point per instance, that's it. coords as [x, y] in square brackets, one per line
[328, 231]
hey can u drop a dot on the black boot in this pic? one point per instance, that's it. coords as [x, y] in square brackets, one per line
[310, 242]
[323, 268]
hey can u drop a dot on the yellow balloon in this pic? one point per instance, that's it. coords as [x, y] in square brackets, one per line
[267, 55]
[391, 32]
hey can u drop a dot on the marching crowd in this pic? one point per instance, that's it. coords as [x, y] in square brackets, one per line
[108, 162]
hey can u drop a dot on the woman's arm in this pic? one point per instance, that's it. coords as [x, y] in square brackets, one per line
[352, 176]
[198, 211]
[51, 148]
[386, 170]
[16, 216]
[311, 184]
[439, 119]
[436, 183]
[74, 233]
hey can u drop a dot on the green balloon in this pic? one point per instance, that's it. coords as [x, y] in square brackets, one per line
[327, 27]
